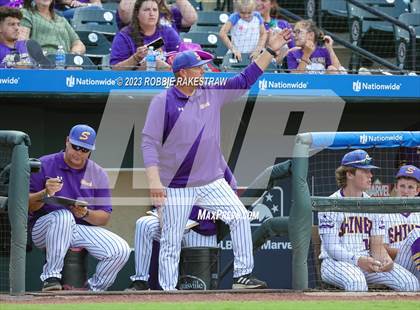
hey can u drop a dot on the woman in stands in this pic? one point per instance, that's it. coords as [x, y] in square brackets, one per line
[50, 30]
[316, 53]
[180, 16]
[269, 10]
[130, 44]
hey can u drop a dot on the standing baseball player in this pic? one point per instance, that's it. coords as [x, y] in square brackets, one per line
[402, 236]
[352, 249]
[183, 159]
[148, 229]
[72, 174]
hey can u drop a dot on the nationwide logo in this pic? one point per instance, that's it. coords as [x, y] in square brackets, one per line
[379, 138]
[264, 84]
[359, 86]
[72, 81]
[10, 80]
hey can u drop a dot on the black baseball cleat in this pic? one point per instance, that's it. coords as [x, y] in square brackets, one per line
[37, 55]
[248, 282]
[52, 284]
[138, 285]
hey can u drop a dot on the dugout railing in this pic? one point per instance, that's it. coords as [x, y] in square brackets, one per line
[15, 168]
[310, 191]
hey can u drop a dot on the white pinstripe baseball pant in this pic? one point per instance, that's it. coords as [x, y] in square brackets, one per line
[404, 256]
[147, 230]
[352, 278]
[217, 197]
[57, 232]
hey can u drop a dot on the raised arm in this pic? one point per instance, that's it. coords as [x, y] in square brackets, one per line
[189, 15]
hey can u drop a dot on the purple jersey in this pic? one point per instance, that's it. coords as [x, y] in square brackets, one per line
[10, 57]
[182, 133]
[89, 184]
[123, 45]
[320, 56]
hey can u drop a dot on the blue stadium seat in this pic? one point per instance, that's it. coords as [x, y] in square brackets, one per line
[402, 41]
[211, 18]
[332, 15]
[100, 21]
[76, 61]
[372, 32]
[209, 42]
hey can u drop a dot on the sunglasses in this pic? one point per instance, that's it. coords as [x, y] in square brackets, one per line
[365, 162]
[79, 148]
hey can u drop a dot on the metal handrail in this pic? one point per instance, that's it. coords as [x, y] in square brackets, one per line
[393, 21]
[359, 50]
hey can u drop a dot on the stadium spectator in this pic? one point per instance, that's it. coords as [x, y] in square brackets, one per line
[180, 15]
[402, 236]
[247, 30]
[130, 44]
[352, 244]
[68, 7]
[13, 52]
[12, 3]
[50, 30]
[316, 54]
[269, 10]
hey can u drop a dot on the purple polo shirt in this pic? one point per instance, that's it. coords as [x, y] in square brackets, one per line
[282, 24]
[182, 134]
[320, 56]
[8, 59]
[123, 45]
[90, 184]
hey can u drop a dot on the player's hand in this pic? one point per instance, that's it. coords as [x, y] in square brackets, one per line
[369, 264]
[277, 39]
[387, 264]
[157, 194]
[79, 211]
[53, 185]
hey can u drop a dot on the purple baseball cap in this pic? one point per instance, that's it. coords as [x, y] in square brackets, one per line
[358, 159]
[84, 136]
[409, 171]
[187, 59]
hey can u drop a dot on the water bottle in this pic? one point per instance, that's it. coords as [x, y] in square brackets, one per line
[60, 58]
[151, 59]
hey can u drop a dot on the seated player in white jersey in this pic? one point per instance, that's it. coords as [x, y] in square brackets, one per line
[402, 237]
[148, 229]
[352, 249]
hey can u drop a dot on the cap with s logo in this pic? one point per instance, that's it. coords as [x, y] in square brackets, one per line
[358, 159]
[409, 171]
[83, 135]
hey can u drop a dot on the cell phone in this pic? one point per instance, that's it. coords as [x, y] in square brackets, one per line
[158, 43]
